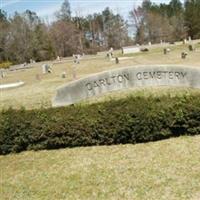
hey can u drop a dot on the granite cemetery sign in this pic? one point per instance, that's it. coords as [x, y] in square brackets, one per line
[124, 78]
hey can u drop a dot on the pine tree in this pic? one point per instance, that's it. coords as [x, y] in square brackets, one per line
[192, 18]
[65, 11]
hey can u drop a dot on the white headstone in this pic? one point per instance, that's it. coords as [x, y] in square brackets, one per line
[2, 73]
[184, 41]
[130, 49]
[46, 69]
[58, 58]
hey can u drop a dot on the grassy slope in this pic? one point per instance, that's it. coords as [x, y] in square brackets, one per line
[166, 169]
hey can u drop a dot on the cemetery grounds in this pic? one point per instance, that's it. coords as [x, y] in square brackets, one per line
[39, 89]
[159, 170]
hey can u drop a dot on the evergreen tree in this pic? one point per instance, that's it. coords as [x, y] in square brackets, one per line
[192, 18]
[65, 11]
[175, 8]
[4, 25]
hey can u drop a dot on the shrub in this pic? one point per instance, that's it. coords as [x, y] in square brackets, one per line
[5, 65]
[130, 120]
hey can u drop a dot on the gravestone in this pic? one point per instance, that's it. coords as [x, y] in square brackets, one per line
[32, 61]
[166, 51]
[184, 41]
[24, 64]
[2, 73]
[117, 60]
[125, 78]
[77, 58]
[63, 75]
[130, 49]
[111, 52]
[110, 56]
[58, 58]
[184, 55]
[46, 69]
[191, 47]
[144, 49]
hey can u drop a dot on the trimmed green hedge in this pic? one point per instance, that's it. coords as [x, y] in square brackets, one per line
[130, 120]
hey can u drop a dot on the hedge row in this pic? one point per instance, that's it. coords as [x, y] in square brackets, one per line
[130, 120]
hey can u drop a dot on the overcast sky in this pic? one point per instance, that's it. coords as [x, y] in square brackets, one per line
[47, 8]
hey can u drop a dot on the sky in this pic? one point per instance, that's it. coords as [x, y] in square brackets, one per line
[47, 8]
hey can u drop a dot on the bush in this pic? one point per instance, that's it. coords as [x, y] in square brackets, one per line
[5, 65]
[130, 120]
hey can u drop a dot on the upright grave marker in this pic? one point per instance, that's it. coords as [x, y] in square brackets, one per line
[46, 69]
[130, 49]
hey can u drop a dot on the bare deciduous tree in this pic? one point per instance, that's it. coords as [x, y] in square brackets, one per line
[65, 38]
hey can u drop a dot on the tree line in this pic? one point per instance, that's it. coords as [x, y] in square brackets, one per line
[26, 36]
[167, 22]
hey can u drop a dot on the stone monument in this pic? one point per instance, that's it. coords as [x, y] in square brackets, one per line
[125, 78]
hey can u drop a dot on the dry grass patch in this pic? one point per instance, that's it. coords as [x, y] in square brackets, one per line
[166, 169]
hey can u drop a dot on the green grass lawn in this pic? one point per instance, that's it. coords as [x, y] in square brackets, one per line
[168, 169]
